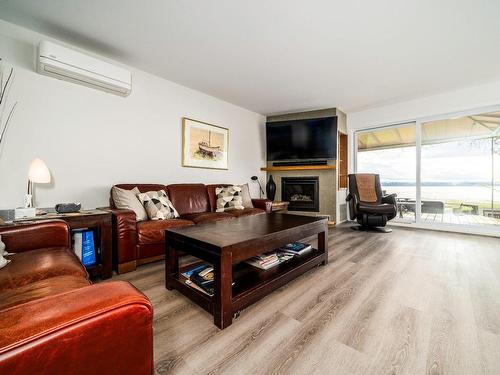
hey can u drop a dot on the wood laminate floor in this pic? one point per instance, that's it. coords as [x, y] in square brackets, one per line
[408, 302]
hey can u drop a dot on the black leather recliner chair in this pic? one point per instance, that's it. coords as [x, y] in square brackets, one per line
[367, 204]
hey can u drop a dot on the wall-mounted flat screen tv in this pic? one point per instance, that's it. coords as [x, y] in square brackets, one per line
[302, 139]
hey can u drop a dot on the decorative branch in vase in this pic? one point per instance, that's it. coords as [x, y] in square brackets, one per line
[5, 85]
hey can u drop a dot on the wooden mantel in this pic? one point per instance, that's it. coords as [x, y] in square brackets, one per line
[299, 168]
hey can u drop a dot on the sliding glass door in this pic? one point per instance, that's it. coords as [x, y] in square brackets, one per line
[391, 153]
[445, 171]
[459, 171]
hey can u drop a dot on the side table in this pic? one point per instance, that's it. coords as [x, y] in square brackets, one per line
[96, 220]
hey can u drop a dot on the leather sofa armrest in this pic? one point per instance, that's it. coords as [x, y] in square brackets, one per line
[32, 236]
[100, 329]
[124, 234]
[264, 204]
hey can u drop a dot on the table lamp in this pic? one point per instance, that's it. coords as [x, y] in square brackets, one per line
[38, 173]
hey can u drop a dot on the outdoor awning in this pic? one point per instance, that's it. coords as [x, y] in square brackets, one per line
[484, 125]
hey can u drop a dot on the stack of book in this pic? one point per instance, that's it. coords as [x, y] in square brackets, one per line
[201, 277]
[265, 261]
[269, 260]
[296, 248]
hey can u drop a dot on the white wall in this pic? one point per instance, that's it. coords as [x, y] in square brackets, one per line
[450, 102]
[91, 140]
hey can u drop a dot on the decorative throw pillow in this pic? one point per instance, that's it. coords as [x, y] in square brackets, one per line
[3, 261]
[127, 200]
[228, 198]
[157, 205]
[245, 196]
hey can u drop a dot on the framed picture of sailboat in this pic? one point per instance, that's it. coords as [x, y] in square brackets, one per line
[204, 145]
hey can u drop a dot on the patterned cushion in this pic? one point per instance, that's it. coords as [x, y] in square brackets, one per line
[229, 198]
[157, 205]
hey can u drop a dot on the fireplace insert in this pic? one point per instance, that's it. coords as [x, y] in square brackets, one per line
[301, 192]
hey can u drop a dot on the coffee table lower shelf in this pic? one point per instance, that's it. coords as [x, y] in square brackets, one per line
[251, 283]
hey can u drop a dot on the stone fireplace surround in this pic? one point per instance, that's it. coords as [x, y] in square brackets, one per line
[327, 189]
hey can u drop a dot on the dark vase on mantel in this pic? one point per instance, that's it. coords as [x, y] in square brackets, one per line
[270, 188]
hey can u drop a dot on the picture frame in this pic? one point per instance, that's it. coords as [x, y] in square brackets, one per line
[204, 145]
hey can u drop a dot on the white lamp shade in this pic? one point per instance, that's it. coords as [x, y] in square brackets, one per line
[39, 172]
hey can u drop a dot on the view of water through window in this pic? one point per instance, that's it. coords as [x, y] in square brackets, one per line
[460, 168]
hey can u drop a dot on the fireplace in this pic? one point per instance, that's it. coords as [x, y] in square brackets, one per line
[301, 192]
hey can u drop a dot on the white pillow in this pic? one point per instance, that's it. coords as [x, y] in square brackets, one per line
[245, 196]
[127, 200]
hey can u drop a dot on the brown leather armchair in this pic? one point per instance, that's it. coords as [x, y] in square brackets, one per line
[53, 320]
[367, 205]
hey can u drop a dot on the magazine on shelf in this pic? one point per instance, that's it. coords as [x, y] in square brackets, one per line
[204, 279]
[88, 248]
[187, 274]
[269, 260]
[77, 244]
[194, 286]
[84, 246]
[200, 277]
[296, 248]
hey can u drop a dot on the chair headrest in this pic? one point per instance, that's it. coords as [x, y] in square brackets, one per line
[365, 182]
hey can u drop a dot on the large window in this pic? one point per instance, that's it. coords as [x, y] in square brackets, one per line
[456, 179]
[390, 152]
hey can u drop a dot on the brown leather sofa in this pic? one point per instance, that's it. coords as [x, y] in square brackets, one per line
[54, 321]
[141, 242]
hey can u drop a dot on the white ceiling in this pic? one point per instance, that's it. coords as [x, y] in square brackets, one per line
[273, 56]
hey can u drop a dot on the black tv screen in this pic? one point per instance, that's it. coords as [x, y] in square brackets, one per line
[302, 139]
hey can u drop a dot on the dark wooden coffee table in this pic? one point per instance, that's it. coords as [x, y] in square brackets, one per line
[226, 244]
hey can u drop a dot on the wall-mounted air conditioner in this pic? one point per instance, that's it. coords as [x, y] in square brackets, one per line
[69, 65]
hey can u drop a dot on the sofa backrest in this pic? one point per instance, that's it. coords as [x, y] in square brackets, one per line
[189, 198]
[143, 188]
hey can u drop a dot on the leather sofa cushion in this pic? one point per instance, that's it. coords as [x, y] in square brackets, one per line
[35, 265]
[153, 231]
[375, 208]
[246, 212]
[189, 198]
[41, 288]
[207, 217]
[150, 250]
